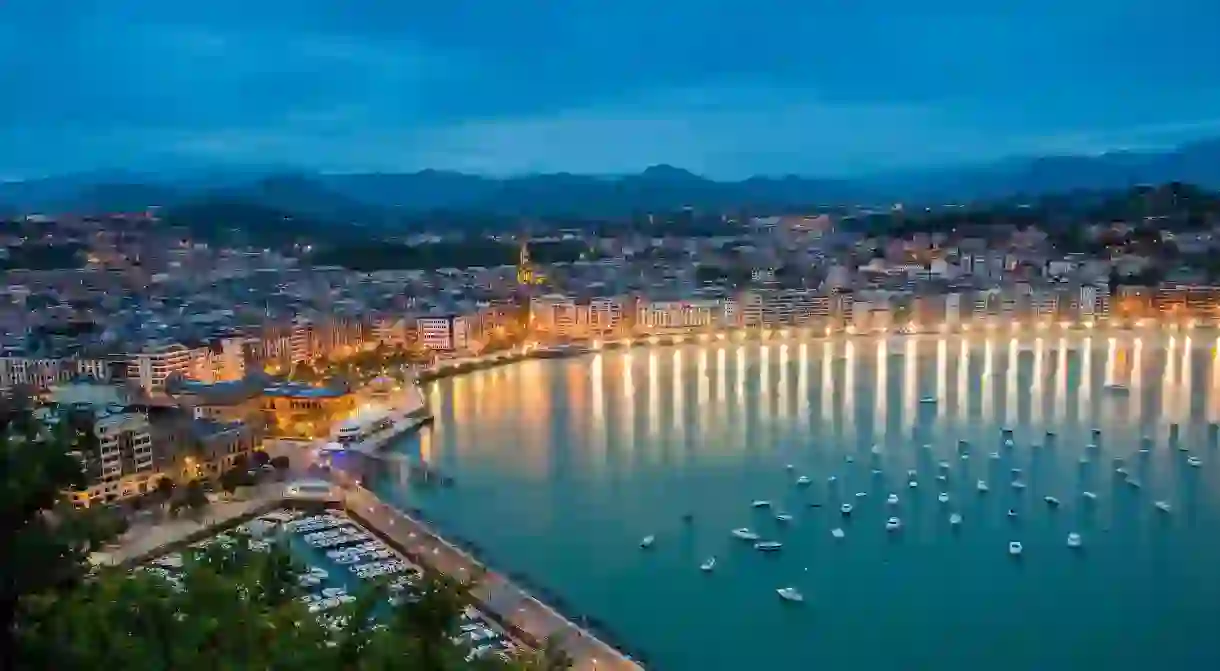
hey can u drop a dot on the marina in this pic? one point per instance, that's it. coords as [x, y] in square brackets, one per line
[566, 464]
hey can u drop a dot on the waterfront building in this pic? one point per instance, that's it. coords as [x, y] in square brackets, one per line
[305, 411]
[189, 446]
[444, 332]
[654, 316]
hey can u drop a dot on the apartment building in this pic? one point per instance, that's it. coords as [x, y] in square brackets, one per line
[111, 438]
[43, 373]
[659, 316]
[157, 362]
[445, 333]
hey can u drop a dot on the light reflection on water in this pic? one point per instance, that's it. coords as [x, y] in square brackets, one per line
[562, 465]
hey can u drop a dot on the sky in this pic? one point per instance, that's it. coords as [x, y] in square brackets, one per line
[724, 88]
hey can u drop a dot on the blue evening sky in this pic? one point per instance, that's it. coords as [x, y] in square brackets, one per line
[722, 87]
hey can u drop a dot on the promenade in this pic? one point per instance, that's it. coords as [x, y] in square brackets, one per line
[497, 595]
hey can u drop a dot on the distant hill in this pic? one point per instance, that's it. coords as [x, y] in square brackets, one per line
[395, 201]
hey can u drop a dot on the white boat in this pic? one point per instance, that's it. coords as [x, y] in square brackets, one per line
[929, 400]
[943, 497]
[832, 478]
[708, 565]
[1009, 443]
[912, 473]
[789, 467]
[893, 524]
[982, 486]
[1163, 506]
[1121, 471]
[1194, 461]
[912, 484]
[942, 478]
[1012, 513]
[761, 504]
[845, 508]
[837, 533]
[861, 495]
[1051, 501]
[1014, 548]
[783, 517]
[1090, 496]
[955, 519]
[1017, 484]
[790, 594]
[1074, 540]
[876, 449]
[803, 480]
[648, 541]
[892, 499]
[768, 546]
[849, 459]
[944, 465]
[744, 534]
[1016, 471]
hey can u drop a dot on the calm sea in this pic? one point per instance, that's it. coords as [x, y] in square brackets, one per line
[562, 466]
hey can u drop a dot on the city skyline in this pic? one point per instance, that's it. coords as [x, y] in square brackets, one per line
[713, 88]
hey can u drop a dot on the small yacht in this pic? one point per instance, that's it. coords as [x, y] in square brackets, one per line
[849, 459]
[911, 473]
[1014, 548]
[955, 519]
[927, 447]
[1089, 496]
[768, 546]
[1096, 432]
[1006, 431]
[1133, 482]
[943, 497]
[982, 486]
[944, 465]
[928, 400]
[1012, 513]
[837, 533]
[892, 499]
[761, 504]
[912, 484]
[845, 508]
[708, 565]
[1117, 388]
[942, 478]
[832, 478]
[790, 594]
[1009, 443]
[1074, 540]
[1121, 471]
[789, 467]
[893, 524]
[1050, 434]
[876, 449]
[1017, 484]
[783, 517]
[804, 481]
[1051, 501]
[1016, 471]
[1163, 506]
[994, 455]
[744, 534]
[861, 495]
[1194, 461]
[648, 541]
[965, 457]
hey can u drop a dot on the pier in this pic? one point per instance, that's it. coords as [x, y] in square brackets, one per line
[496, 594]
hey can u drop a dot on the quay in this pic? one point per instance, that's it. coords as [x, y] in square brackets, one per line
[497, 595]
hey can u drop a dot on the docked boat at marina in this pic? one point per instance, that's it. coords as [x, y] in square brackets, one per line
[708, 565]
[768, 546]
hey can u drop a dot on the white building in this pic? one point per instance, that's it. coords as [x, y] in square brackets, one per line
[151, 367]
[444, 333]
[698, 313]
[44, 373]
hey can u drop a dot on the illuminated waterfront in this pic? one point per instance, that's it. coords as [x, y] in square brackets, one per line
[563, 465]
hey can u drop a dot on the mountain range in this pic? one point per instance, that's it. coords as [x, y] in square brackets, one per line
[391, 199]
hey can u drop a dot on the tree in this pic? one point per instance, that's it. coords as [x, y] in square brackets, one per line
[280, 463]
[44, 543]
[230, 480]
[238, 609]
[194, 498]
[260, 458]
[165, 489]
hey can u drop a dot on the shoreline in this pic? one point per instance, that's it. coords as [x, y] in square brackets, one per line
[537, 619]
[804, 334]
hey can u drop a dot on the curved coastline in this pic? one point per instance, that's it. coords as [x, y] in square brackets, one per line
[748, 334]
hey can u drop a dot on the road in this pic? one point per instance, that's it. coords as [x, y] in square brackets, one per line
[497, 594]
